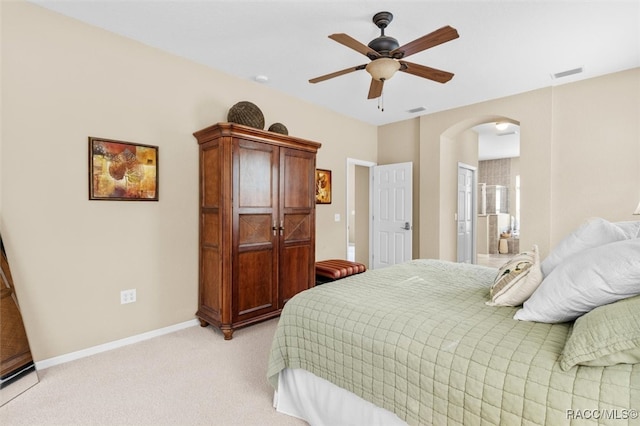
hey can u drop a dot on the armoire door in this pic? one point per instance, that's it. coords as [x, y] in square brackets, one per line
[255, 229]
[297, 215]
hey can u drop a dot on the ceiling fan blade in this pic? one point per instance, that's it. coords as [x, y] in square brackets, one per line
[425, 72]
[435, 38]
[354, 44]
[336, 74]
[375, 89]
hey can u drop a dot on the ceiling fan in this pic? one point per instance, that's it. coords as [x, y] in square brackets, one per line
[387, 55]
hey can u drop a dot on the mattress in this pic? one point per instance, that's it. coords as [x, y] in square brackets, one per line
[321, 403]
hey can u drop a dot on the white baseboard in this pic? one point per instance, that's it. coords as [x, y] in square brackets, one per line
[40, 365]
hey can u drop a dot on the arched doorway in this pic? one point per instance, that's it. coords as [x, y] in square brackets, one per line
[460, 144]
[498, 216]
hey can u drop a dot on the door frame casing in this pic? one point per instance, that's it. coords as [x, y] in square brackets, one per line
[349, 163]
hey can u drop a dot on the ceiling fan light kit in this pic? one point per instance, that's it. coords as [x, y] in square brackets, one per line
[382, 69]
[387, 56]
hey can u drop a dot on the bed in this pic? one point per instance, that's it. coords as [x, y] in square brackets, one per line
[421, 343]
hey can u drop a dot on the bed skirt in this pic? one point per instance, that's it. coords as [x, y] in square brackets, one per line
[319, 402]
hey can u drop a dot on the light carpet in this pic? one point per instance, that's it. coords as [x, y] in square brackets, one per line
[189, 377]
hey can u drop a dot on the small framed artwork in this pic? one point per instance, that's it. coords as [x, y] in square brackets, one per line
[122, 171]
[323, 186]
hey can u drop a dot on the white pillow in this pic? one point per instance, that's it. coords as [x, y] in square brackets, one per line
[517, 279]
[595, 232]
[630, 228]
[586, 280]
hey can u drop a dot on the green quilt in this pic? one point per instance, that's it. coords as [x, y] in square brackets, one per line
[418, 339]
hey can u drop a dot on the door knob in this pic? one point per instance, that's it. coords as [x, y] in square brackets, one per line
[407, 226]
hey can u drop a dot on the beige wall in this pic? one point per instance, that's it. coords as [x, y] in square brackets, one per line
[63, 81]
[595, 150]
[361, 204]
[579, 158]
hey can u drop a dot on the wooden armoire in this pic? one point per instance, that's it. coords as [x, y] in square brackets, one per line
[257, 223]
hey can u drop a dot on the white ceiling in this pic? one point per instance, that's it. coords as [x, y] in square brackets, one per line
[494, 143]
[505, 47]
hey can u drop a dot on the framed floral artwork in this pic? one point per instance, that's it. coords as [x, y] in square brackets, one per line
[122, 171]
[323, 186]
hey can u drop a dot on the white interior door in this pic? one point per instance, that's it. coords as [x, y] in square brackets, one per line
[392, 209]
[465, 218]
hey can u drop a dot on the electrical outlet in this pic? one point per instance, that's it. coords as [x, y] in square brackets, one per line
[127, 296]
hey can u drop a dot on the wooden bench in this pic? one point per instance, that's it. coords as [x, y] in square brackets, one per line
[335, 269]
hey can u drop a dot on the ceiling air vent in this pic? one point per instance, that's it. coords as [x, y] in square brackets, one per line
[567, 73]
[418, 109]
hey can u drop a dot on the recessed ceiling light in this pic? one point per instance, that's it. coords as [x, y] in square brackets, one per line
[261, 78]
[502, 125]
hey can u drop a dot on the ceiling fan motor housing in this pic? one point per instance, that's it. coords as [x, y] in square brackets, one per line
[383, 45]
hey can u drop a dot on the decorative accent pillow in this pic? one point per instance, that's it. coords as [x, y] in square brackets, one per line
[584, 281]
[608, 335]
[595, 232]
[516, 280]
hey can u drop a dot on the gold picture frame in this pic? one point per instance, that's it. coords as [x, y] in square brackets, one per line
[323, 186]
[122, 171]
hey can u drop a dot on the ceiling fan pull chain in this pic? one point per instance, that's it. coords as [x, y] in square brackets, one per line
[381, 102]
